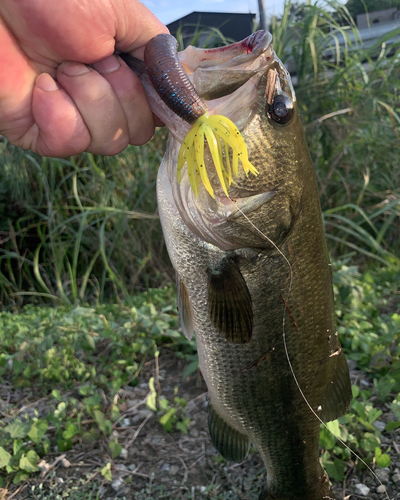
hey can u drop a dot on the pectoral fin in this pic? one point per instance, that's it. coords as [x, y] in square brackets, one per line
[338, 393]
[229, 442]
[229, 302]
[185, 312]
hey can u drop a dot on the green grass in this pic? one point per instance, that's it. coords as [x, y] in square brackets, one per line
[87, 229]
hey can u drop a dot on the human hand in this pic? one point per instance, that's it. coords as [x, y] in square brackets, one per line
[50, 100]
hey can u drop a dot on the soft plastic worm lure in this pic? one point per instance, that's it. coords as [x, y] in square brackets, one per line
[224, 140]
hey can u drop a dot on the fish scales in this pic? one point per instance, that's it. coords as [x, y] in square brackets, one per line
[254, 280]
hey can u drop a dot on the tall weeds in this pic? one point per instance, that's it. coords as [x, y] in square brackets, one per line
[80, 229]
[86, 228]
[349, 101]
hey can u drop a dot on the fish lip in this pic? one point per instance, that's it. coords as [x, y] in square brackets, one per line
[257, 42]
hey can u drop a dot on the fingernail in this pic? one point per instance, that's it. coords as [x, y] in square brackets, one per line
[107, 65]
[73, 68]
[46, 82]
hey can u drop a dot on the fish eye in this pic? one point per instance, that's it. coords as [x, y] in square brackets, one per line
[281, 109]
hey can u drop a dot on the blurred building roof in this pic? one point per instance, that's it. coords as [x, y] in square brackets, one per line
[206, 25]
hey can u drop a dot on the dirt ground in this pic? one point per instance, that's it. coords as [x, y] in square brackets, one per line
[158, 465]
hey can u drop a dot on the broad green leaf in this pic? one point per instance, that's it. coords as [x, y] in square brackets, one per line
[56, 394]
[46, 445]
[335, 467]
[382, 459]
[180, 401]
[115, 449]
[18, 429]
[391, 426]
[61, 409]
[115, 413]
[168, 419]
[17, 445]
[20, 476]
[192, 367]
[70, 431]
[5, 457]
[92, 400]
[360, 409]
[29, 461]
[370, 442]
[164, 404]
[90, 341]
[326, 439]
[334, 427]
[38, 430]
[64, 444]
[373, 414]
[183, 425]
[336, 471]
[104, 424]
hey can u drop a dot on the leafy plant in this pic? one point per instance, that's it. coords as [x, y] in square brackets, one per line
[84, 231]
[170, 416]
[79, 358]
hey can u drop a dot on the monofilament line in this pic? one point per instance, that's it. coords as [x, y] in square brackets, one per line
[287, 352]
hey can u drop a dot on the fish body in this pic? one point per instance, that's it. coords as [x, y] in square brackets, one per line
[253, 274]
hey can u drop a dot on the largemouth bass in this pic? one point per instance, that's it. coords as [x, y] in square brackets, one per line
[253, 273]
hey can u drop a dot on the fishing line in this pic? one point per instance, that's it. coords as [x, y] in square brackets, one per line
[287, 352]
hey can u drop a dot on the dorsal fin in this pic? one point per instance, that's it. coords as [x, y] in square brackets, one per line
[230, 443]
[229, 302]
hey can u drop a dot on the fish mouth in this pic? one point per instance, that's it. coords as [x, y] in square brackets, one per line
[220, 71]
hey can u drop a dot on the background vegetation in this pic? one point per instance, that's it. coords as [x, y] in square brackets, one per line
[85, 282]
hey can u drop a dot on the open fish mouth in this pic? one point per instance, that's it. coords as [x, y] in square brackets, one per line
[220, 71]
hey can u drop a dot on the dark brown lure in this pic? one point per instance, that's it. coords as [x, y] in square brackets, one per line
[170, 80]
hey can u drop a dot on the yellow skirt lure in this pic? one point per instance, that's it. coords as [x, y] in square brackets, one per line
[226, 146]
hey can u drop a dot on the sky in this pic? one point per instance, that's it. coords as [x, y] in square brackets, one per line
[171, 10]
